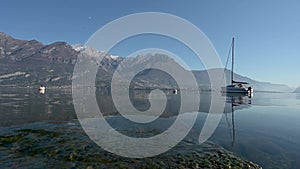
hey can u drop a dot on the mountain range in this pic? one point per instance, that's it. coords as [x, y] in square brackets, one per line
[297, 90]
[29, 63]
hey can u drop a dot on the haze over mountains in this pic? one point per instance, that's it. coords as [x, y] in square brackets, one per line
[30, 63]
[297, 90]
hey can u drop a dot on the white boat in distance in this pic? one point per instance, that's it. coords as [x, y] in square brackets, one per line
[42, 89]
[235, 86]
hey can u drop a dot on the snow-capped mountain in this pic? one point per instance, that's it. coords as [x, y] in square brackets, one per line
[81, 48]
[31, 63]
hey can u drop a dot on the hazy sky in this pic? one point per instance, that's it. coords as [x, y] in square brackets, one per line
[267, 32]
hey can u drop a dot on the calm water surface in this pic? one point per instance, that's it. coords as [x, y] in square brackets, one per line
[264, 129]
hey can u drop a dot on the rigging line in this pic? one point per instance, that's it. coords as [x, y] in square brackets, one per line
[230, 48]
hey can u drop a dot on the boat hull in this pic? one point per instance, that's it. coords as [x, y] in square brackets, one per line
[235, 90]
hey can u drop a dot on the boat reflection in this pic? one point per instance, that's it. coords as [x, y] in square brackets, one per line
[235, 101]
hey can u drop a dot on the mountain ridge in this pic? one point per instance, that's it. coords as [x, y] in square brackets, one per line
[297, 90]
[29, 63]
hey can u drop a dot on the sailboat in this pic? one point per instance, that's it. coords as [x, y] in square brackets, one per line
[235, 86]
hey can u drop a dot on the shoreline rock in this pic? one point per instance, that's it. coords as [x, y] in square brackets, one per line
[67, 146]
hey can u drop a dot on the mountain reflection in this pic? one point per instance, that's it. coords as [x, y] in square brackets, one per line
[21, 106]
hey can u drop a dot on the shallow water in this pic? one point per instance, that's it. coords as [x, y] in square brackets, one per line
[263, 129]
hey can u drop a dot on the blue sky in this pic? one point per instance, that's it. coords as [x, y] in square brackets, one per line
[267, 32]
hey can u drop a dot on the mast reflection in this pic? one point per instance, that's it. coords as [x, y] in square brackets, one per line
[235, 101]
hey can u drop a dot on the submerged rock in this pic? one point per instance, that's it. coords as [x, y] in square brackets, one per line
[67, 146]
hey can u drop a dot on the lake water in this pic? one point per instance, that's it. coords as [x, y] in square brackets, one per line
[264, 129]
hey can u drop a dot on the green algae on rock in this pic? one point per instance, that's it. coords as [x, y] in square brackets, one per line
[68, 146]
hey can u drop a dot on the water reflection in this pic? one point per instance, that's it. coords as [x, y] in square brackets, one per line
[235, 101]
[20, 106]
[263, 128]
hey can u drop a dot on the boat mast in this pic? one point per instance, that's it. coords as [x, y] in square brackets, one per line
[232, 61]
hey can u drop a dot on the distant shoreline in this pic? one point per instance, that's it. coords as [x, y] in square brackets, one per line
[146, 88]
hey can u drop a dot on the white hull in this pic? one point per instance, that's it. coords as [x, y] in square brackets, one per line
[42, 88]
[236, 90]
